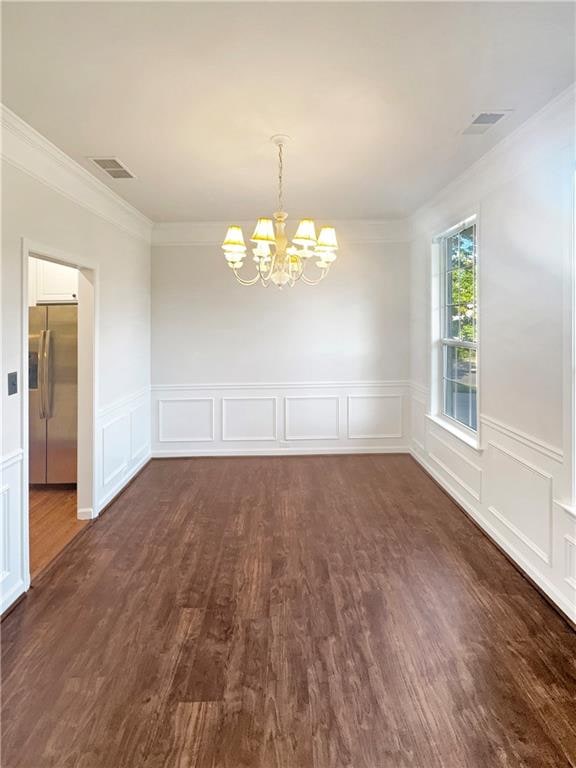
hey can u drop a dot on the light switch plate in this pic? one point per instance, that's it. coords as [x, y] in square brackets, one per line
[12, 383]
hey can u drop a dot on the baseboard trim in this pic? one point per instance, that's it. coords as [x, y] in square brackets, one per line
[539, 582]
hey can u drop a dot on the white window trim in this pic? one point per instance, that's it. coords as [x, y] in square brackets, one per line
[436, 415]
[457, 429]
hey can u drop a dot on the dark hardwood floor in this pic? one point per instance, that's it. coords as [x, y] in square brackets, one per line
[300, 612]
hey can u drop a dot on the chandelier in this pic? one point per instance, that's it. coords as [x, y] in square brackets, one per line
[275, 260]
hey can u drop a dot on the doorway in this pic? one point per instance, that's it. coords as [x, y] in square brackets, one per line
[58, 413]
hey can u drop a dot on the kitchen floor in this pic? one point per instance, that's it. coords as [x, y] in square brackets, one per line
[53, 524]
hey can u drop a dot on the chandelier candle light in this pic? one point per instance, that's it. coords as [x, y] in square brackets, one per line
[276, 261]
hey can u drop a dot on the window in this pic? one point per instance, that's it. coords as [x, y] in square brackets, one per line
[458, 324]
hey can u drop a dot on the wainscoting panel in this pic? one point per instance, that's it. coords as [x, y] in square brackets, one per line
[519, 496]
[455, 464]
[4, 532]
[312, 417]
[14, 578]
[570, 561]
[418, 420]
[280, 418]
[123, 440]
[374, 416]
[140, 430]
[186, 420]
[115, 447]
[249, 418]
[507, 486]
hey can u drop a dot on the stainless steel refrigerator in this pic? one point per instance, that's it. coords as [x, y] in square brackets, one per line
[53, 393]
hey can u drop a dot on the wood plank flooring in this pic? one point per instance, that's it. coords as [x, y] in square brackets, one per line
[286, 612]
[53, 524]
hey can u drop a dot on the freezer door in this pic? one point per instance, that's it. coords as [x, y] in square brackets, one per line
[36, 422]
[62, 393]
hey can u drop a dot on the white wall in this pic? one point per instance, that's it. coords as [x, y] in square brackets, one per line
[49, 200]
[519, 484]
[240, 369]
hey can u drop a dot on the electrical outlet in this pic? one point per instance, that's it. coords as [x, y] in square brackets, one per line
[12, 383]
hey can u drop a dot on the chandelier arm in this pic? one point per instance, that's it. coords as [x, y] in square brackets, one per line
[267, 279]
[251, 281]
[298, 276]
[310, 281]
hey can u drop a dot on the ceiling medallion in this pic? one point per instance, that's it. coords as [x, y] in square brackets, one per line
[276, 261]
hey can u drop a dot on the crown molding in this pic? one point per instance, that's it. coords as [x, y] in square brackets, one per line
[26, 149]
[204, 233]
[546, 133]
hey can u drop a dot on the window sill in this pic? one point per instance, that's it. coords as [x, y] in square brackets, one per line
[472, 441]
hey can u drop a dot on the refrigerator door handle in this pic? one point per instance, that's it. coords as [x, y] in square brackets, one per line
[41, 383]
[45, 391]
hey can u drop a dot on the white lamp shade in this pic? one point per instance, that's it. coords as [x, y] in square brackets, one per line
[327, 240]
[306, 233]
[234, 241]
[264, 232]
[262, 249]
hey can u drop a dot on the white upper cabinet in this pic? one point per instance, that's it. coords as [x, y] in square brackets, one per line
[51, 283]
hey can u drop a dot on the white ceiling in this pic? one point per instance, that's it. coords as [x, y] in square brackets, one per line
[374, 95]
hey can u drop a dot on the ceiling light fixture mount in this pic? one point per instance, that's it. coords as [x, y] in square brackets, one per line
[276, 261]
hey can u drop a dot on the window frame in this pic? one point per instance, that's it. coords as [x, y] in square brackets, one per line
[441, 341]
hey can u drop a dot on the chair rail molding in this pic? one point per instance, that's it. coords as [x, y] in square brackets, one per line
[551, 451]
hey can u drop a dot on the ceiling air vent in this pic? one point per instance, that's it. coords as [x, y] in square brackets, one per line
[113, 167]
[484, 121]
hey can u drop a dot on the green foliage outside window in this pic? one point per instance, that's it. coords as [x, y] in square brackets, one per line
[460, 282]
